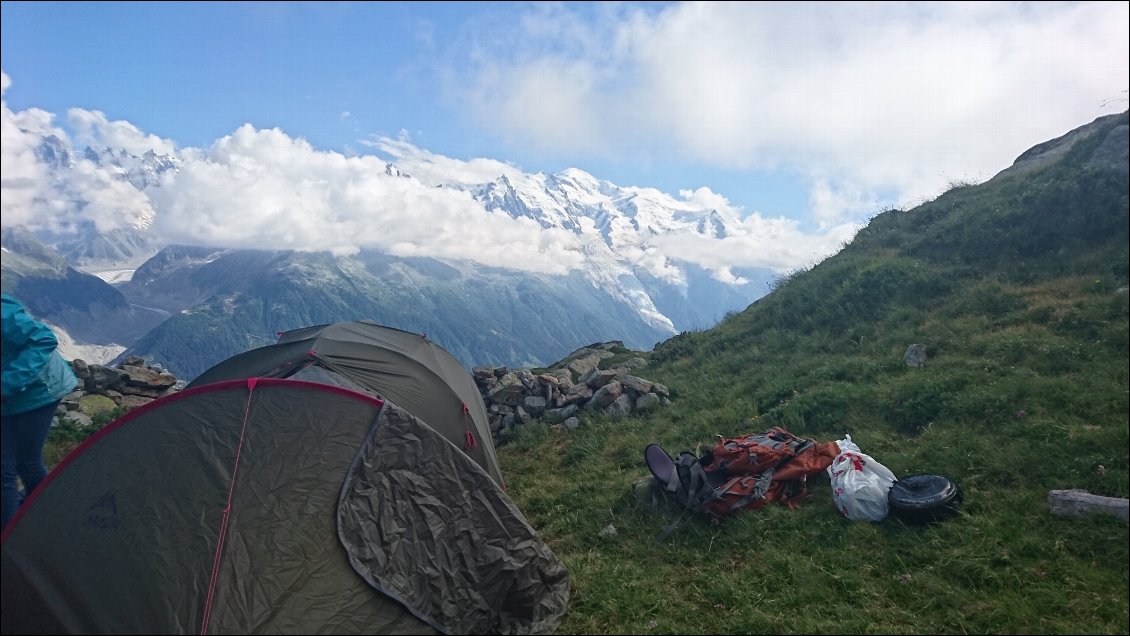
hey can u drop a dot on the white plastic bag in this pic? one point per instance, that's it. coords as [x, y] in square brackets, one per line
[860, 485]
[846, 446]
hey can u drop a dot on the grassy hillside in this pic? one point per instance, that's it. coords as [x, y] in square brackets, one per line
[1018, 290]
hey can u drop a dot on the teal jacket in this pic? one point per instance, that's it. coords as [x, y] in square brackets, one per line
[34, 373]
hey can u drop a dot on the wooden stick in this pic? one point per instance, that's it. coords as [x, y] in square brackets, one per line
[1078, 503]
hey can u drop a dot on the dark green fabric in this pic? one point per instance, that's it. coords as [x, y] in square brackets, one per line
[407, 368]
[426, 525]
[274, 506]
[124, 537]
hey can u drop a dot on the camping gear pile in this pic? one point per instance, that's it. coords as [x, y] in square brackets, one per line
[342, 480]
[751, 471]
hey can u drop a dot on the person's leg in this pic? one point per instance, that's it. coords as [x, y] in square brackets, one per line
[10, 492]
[25, 434]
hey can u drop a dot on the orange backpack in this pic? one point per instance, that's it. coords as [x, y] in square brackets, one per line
[758, 468]
[740, 473]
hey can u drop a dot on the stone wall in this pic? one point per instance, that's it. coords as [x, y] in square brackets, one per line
[102, 389]
[575, 386]
[557, 396]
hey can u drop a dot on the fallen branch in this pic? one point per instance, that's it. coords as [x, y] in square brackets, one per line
[1078, 503]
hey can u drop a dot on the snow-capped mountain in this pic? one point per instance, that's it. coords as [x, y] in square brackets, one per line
[81, 242]
[612, 295]
[614, 223]
[615, 220]
[576, 201]
[141, 172]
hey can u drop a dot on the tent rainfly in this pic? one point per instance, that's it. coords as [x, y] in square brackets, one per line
[255, 502]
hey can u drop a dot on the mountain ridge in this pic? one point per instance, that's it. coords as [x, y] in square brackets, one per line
[484, 313]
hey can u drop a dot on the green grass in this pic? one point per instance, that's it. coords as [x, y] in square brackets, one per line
[1008, 414]
[1018, 292]
[68, 434]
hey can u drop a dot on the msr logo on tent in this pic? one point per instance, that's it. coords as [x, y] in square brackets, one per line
[103, 513]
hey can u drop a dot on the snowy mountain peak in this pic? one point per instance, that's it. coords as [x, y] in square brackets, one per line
[617, 228]
[577, 180]
[622, 217]
[141, 172]
[54, 152]
[616, 225]
[392, 170]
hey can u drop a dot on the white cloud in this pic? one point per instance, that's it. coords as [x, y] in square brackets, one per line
[654, 260]
[100, 195]
[831, 201]
[36, 195]
[25, 182]
[93, 128]
[707, 199]
[265, 189]
[776, 244]
[433, 169]
[861, 99]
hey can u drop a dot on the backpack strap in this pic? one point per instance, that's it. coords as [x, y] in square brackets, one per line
[762, 482]
[692, 486]
[689, 485]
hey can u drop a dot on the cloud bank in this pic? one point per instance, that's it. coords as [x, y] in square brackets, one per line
[264, 189]
[869, 103]
[37, 194]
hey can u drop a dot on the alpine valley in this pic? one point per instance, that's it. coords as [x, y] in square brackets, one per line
[122, 292]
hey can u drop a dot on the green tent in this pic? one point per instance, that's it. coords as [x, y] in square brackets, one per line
[406, 368]
[280, 505]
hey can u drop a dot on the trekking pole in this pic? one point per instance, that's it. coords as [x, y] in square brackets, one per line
[671, 527]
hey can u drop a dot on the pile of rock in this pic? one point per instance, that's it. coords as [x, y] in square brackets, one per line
[573, 386]
[556, 395]
[103, 389]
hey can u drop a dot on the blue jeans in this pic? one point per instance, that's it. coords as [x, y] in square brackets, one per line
[21, 457]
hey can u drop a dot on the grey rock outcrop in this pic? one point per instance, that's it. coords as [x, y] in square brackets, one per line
[583, 382]
[514, 398]
[103, 389]
[915, 356]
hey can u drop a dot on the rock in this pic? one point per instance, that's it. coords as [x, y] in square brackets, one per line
[642, 489]
[583, 365]
[647, 402]
[639, 386]
[607, 394]
[130, 402]
[102, 378]
[620, 407]
[519, 397]
[94, 404]
[133, 361]
[79, 418]
[915, 356]
[598, 378]
[535, 406]
[509, 390]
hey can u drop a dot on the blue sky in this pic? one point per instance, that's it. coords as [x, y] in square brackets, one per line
[811, 114]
